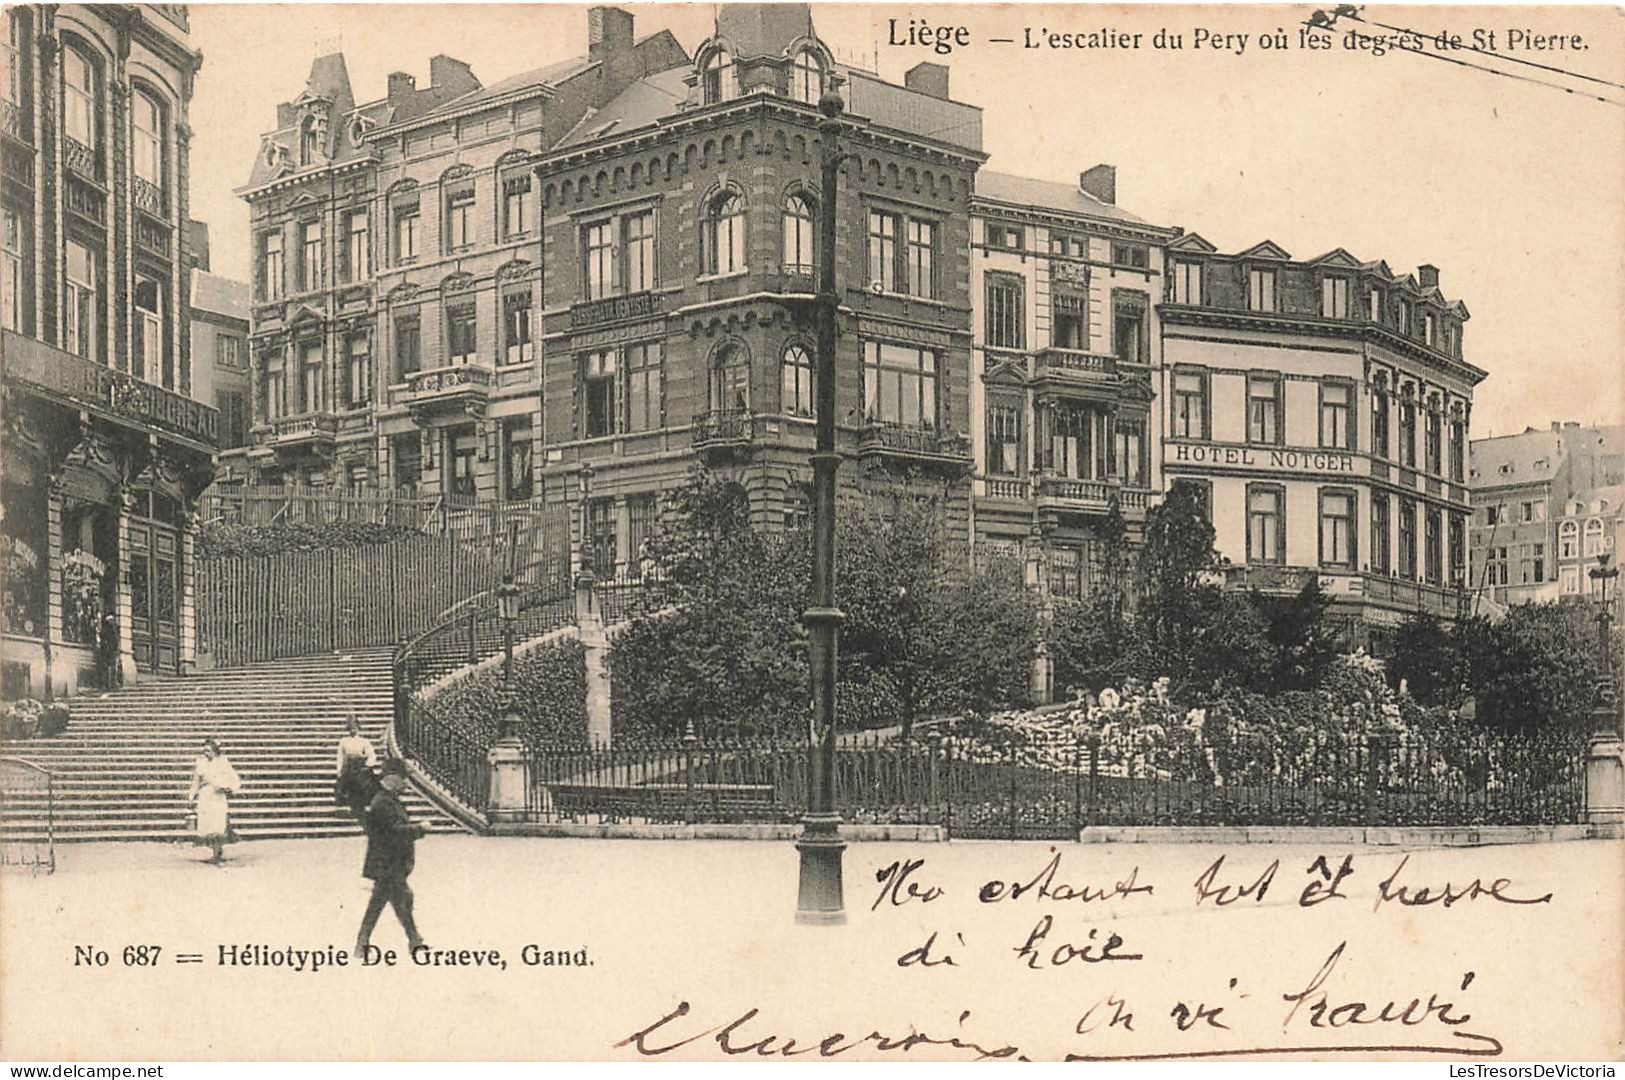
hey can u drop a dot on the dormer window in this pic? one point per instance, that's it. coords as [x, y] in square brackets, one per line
[307, 141]
[807, 77]
[1261, 290]
[721, 82]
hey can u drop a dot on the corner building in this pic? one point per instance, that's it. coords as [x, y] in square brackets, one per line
[105, 448]
[1321, 410]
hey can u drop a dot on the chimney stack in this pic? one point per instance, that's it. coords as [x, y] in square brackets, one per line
[928, 78]
[610, 44]
[1428, 274]
[451, 74]
[401, 85]
[1101, 182]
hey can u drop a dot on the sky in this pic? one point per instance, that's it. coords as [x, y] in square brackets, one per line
[1515, 190]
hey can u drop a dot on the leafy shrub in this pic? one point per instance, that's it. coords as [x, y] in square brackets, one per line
[549, 693]
[220, 541]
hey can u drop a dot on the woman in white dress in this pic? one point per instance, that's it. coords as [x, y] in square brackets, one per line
[355, 784]
[213, 782]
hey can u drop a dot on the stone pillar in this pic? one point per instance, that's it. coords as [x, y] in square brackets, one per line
[1605, 766]
[126, 614]
[595, 645]
[509, 780]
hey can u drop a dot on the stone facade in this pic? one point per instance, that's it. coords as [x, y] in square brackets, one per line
[104, 449]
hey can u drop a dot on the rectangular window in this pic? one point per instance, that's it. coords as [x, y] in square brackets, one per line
[1434, 546]
[1069, 319]
[1261, 290]
[643, 386]
[1187, 283]
[1130, 335]
[598, 255]
[517, 211]
[311, 398]
[79, 94]
[11, 54]
[408, 453]
[517, 483]
[1003, 438]
[1380, 544]
[1434, 447]
[796, 381]
[598, 392]
[228, 351]
[1190, 405]
[406, 232]
[1373, 305]
[922, 242]
[1337, 529]
[1458, 450]
[273, 389]
[1336, 415]
[1264, 409]
[883, 250]
[461, 344]
[233, 418]
[1066, 572]
[1132, 460]
[516, 344]
[1077, 444]
[81, 310]
[357, 247]
[1334, 297]
[1402, 317]
[271, 279]
[1006, 313]
[601, 526]
[1266, 524]
[310, 256]
[638, 244]
[1134, 256]
[408, 343]
[1407, 539]
[150, 360]
[1430, 329]
[459, 220]
[1007, 237]
[1570, 576]
[360, 371]
[899, 384]
[1407, 433]
[461, 449]
[11, 273]
[642, 513]
[1379, 422]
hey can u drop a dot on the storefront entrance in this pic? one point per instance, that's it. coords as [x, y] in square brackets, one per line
[155, 576]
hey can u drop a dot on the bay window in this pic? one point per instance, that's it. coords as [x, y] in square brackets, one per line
[899, 384]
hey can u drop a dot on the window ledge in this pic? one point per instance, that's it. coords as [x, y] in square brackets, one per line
[927, 300]
[730, 275]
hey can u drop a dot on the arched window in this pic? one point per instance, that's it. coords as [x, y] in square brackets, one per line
[1593, 538]
[1568, 540]
[724, 238]
[148, 149]
[307, 141]
[807, 77]
[79, 96]
[798, 234]
[729, 390]
[721, 83]
[797, 394]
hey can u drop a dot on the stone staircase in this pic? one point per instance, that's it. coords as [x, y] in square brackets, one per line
[123, 767]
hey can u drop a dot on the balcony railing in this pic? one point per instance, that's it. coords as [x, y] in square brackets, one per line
[149, 197]
[1075, 494]
[723, 427]
[152, 236]
[912, 441]
[615, 308]
[1134, 498]
[14, 122]
[1007, 487]
[1269, 579]
[313, 429]
[462, 386]
[1076, 364]
[80, 159]
[81, 383]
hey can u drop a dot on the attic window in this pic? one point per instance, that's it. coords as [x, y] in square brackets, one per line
[807, 77]
[721, 81]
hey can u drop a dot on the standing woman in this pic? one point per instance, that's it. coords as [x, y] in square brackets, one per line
[356, 784]
[213, 782]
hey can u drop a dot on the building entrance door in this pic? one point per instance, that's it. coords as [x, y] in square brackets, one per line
[155, 615]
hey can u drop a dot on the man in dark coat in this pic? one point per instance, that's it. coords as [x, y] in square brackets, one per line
[391, 840]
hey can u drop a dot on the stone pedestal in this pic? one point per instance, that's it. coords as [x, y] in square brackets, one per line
[1605, 779]
[1041, 679]
[595, 649]
[509, 781]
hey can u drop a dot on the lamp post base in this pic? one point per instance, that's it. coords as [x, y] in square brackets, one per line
[820, 898]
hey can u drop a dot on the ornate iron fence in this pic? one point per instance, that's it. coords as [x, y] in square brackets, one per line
[27, 815]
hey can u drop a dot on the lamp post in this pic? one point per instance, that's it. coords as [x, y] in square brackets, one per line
[819, 899]
[508, 611]
[1604, 575]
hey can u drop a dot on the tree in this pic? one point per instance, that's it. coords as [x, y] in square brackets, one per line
[1537, 667]
[1176, 601]
[1430, 659]
[1304, 642]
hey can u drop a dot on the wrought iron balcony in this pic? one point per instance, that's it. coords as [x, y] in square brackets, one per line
[14, 122]
[313, 431]
[615, 308]
[80, 159]
[149, 197]
[723, 428]
[1075, 495]
[1075, 366]
[459, 388]
[84, 384]
[916, 443]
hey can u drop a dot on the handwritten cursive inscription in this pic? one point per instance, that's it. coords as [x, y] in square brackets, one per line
[1392, 890]
[1043, 886]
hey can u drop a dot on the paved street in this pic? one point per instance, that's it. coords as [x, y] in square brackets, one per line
[710, 923]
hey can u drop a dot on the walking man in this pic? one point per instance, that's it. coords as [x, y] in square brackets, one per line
[391, 842]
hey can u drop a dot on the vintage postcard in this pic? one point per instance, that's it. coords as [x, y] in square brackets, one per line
[812, 532]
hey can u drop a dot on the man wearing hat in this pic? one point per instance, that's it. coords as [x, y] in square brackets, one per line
[391, 839]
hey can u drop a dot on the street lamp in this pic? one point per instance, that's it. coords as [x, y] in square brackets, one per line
[819, 899]
[1604, 575]
[508, 612]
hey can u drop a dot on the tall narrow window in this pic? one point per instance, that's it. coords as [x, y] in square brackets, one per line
[598, 392]
[1190, 405]
[598, 259]
[406, 231]
[1434, 462]
[12, 48]
[900, 384]
[1458, 450]
[1003, 438]
[271, 278]
[1073, 433]
[1069, 318]
[601, 527]
[1381, 545]
[1187, 283]
[724, 239]
[79, 97]
[408, 343]
[798, 234]
[1402, 317]
[796, 390]
[729, 384]
[461, 339]
[81, 308]
[1434, 546]
[1593, 538]
[1407, 433]
[1407, 539]
[1337, 529]
[150, 361]
[807, 77]
[1430, 329]
[462, 452]
[408, 455]
[921, 254]
[360, 381]
[273, 388]
[1261, 290]
[311, 398]
[516, 346]
[1379, 422]
[357, 248]
[517, 482]
[1130, 334]
[643, 386]
[1373, 305]
[1132, 459]
[1336, 411]
[883, 250]
[1458, 554]
[721, 84]
[638, 243]
[1006, 312]
[1568, 540]
[1334, 297]
[11, 269]
[148, 143]
[1266, 525]
[517, 209]
[310, 256]
[307, 141]
[459, 220]
[1264, 409]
